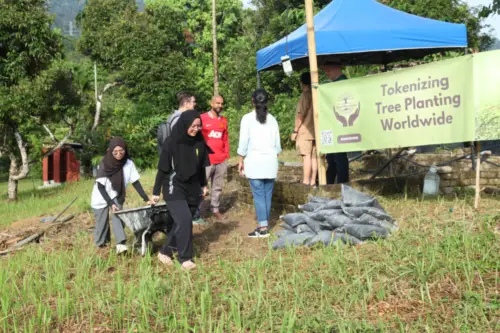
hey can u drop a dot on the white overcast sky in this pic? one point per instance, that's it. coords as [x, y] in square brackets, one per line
[493, 21]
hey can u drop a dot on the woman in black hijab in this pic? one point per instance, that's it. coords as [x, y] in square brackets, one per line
[114, 173]
[181, 173]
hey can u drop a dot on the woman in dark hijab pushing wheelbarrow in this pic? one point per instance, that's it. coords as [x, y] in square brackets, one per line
[114, 173]
[181, 173]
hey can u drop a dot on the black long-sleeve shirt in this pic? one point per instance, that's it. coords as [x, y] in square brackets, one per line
[137, 185]
[173, 189]
[176, 189]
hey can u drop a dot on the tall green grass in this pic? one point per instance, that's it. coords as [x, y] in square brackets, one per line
[50, 201]
[438, 273]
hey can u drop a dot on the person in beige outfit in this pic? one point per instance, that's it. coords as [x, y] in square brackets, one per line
[303, 133]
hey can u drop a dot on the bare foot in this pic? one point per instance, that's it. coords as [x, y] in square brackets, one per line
[165, 259]
[188, 265]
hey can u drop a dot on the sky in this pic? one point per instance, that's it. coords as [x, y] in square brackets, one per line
[493, 21]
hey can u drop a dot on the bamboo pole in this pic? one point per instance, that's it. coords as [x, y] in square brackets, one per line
[478, 174]
[215, 56]
[313, 64]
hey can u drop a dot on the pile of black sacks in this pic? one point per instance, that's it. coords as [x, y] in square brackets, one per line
[355, 218]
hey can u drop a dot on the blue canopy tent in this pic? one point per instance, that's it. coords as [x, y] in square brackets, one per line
[365, 32]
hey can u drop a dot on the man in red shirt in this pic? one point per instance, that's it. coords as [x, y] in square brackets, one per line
[215, 132]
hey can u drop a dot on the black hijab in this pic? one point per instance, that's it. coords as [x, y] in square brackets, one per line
[186, 151]
[112, 168]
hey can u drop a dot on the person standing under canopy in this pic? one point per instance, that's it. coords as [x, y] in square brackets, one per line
[303, 133]
[338, 163]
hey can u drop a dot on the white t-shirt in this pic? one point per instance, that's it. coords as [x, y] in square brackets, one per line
[260, 144]
[130, 175]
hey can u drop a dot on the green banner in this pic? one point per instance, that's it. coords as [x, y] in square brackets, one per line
[455, 100]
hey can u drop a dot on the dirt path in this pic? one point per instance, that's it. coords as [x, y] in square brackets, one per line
[217, 238]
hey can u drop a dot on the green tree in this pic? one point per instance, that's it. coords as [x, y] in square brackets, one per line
[36, 88]
[168, 48]
[494, 8]
[455, 11]
[144, 54]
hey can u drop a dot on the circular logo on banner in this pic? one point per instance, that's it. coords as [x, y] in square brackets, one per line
[346, 109]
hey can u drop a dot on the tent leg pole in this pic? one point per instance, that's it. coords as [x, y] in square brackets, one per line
[258, 79]
[313, 63]
[478, 175]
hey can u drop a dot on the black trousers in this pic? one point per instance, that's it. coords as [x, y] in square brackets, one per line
[338, 168]
[180, 237]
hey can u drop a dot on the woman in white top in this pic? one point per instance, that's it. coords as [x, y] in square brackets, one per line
[258, 149]
[114, 173]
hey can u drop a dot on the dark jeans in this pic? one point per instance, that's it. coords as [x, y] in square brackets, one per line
[181, 235]
[338, 168]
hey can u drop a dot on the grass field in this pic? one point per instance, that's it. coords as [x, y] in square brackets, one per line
[439, 273]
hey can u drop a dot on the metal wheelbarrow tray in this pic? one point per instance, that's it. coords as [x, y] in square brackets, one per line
[145, 221]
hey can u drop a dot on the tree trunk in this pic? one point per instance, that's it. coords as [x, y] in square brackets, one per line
[16, 171]
[98, 104]
[12, 184]
[215, 56]
[12, 189]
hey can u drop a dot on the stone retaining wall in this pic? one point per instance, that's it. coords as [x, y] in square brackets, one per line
[288, 195]
[454, 175]
[290, 192]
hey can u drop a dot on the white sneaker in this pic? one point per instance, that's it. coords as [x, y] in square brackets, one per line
[121, 248]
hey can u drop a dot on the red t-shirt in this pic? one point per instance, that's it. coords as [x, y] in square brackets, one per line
[214, 130]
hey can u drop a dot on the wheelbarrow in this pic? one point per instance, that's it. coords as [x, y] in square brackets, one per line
[145, 222]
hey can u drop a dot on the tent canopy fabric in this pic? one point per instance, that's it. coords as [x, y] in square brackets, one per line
[365, 32]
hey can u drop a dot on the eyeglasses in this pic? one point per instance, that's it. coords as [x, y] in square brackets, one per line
[118, 152]
[195, 126]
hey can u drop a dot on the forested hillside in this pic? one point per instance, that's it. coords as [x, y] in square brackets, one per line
[146, 52]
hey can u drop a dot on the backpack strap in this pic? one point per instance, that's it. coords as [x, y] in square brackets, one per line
[164, 131]
[170, 123]
[161, 135]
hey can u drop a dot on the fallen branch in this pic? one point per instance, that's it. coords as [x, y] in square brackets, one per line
[37, 236]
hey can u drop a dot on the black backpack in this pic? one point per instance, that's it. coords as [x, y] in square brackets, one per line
[164, 130]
